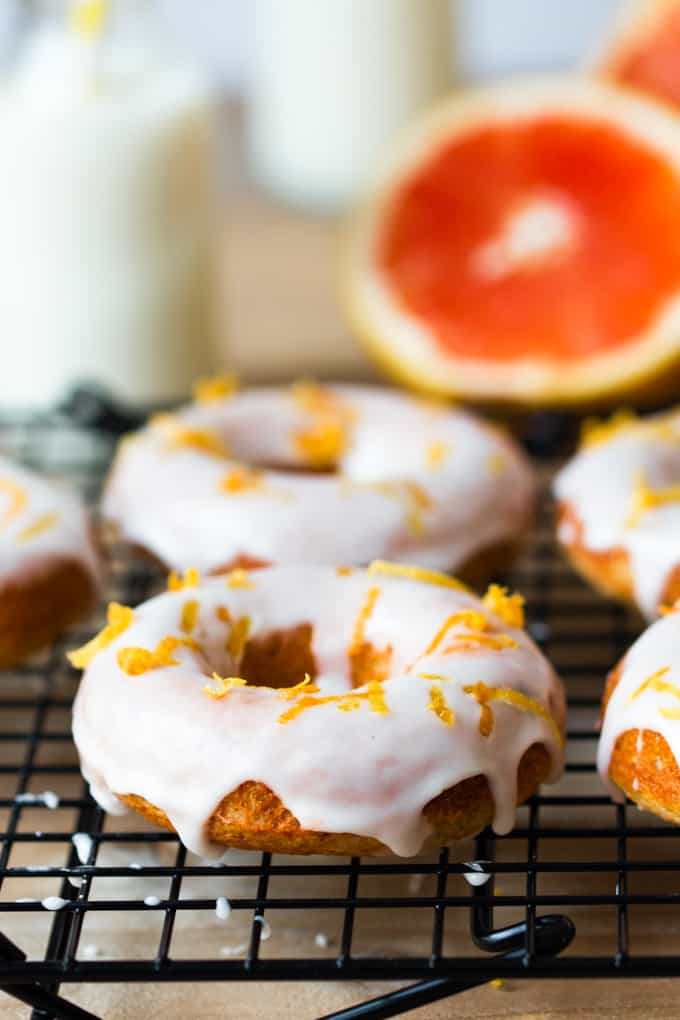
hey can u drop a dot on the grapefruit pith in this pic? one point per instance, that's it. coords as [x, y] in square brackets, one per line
[645, 49]
[523, 246]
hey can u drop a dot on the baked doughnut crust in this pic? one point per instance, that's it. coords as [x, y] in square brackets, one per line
[608, 571]
[35, 608]
[253, 818]
[643, 766]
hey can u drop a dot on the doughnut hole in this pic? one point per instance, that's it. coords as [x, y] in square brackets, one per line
[279, 658]
[368, 664]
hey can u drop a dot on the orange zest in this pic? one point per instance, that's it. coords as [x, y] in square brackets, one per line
[136, 661]
[238, 636]
[322, 444]
[223, 614]
[656, 682]
[470, 618]
[17, 499]
[646, 498]
[510, 608]
[241, 478]
[495, 642]
[40, 525]
[594, 432]
[189, 615]
[437, 452]
[119, 619]
[239, 578]
[290, 693]
[224, 686]
[212, 389]
[415, 574]
[178, 435]
[190, 579]
[439, 706]
[485, 694]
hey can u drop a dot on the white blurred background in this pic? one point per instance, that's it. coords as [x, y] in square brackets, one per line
[495, 37]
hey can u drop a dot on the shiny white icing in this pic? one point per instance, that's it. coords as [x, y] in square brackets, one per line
[160, 736]
[658, 648]
[598, 485]
[168, 500]
[67, 536]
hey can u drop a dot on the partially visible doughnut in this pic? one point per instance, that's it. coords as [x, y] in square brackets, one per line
[313, 709]
[619, 509]
[48, 568]
[639, 749]
[320, 474]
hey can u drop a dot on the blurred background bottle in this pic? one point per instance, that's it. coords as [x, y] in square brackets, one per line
[331, 82]
[107, 205]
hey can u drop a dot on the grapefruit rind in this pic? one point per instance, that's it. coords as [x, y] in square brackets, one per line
[636, 22]
[646, 369]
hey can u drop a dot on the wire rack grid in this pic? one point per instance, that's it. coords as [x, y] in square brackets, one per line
[576, 890]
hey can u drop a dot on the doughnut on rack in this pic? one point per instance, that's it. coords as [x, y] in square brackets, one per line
[581, 888]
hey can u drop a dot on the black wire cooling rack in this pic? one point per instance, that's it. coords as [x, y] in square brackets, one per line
[581, 887]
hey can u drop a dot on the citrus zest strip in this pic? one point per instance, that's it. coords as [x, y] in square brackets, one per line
[136, 661]
[439, 706]
[212, 389]
[510, 608]
[119, 619]
[646, 498]
[656, 682]
[190, 579]
[18, 499]
[189, 615]
[415, 574]
[40, 525]
[239, 578]
[485, 694]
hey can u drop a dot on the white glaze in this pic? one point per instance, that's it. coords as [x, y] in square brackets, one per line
[168, 500]
[222, 908]
[656, 649]
[160, 736]
[598, 486]
[66, 537]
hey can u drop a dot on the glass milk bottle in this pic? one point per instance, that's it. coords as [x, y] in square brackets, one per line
[332, 81]
[107, 206]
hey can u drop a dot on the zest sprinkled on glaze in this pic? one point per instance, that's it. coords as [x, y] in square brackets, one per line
[381, 499]
[510, 608]
[600, 488]
[118, 620]
[646, 695]
[215, 388]
[205, 746]
[190, 579]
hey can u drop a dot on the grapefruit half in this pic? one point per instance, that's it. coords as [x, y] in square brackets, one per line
[522, 246]
[645, 49]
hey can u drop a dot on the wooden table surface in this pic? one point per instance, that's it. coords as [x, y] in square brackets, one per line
[279, 289]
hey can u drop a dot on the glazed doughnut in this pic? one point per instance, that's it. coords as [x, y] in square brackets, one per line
[318, 710]
[341, 474]
[639, 750]
[48, 568]
[619, 508]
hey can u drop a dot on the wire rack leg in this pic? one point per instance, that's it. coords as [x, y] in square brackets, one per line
[46, 1004]
[405, 999]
